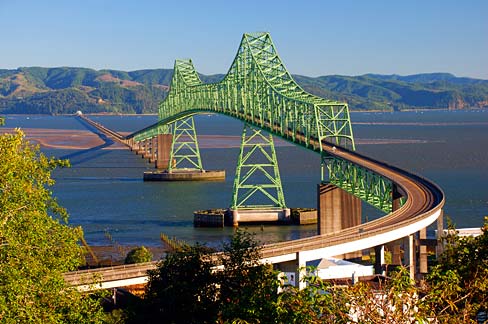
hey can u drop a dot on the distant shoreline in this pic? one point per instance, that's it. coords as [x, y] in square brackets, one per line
[208, 112]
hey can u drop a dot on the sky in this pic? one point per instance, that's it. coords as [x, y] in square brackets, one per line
[313, 38]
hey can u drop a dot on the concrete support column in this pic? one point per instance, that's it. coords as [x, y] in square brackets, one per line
[409, 254]
[394, 247]
[163, 151]
[440, 232]
[423, 265]
[235, 218]
[396, 196]
[134, 146]
[140, 148]
[154, 143]
[337, 210]
[379, 259]
[300, 272]
[146, 152]
[396, 254]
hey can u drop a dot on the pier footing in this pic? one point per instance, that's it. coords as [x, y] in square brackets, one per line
[185, 175]
[225, 217]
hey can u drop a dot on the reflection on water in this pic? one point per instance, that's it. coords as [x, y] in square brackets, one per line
[104, 192]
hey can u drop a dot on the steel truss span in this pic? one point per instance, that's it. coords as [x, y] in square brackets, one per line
[260, 91]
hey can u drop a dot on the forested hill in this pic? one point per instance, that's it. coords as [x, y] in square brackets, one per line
[65, 90]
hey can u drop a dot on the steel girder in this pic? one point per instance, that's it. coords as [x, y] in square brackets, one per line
[257, 173]
[360, 182]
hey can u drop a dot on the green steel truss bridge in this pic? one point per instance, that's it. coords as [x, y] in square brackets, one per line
[260, 91]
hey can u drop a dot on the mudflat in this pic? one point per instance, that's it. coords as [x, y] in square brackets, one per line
[63, 138]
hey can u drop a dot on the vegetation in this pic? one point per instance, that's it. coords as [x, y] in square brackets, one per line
[182, 289]
[138, 255]
[186, 289]
[36, 245]
[248, 289]
[458, 284]
[65, 90]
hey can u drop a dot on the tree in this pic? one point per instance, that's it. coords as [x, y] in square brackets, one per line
[182, 289]
[248, 288]
[138, 255]
[36, 245]
[194, 284]
[458, 285]
[318, 302]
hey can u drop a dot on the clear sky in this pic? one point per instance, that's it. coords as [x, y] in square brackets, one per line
[313, 37]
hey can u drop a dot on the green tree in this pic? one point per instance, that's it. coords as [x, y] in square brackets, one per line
[182, 289]
[458, 285]
[248, 288]
[138, 255]
[193, 284]
[36, 246]
[318, 302]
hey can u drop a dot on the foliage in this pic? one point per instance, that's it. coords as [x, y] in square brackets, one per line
[458, 285]
[36, 247]
[248, 288]
[454, 292]
[387, 301]
[182, 289]
[313, 304]
[138, 255]
[186, 288]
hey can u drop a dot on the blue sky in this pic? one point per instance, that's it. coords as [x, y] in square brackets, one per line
[313, 37]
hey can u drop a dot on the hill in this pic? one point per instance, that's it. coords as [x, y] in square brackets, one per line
[63, 90]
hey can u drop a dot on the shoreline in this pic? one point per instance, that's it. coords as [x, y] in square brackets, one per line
[206, 112]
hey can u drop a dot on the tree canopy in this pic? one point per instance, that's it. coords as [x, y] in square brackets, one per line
[36, 245]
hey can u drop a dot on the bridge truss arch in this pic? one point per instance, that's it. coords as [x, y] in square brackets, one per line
[258, 89]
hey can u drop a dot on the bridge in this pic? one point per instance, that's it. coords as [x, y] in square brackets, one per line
[260, 91]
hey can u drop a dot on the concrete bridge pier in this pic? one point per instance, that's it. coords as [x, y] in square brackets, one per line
[154, 144]
[395, 247]
[337, 210]
[409, 254]
[163, 151]
[379, 259]
[440, 231]
[146, 147]
[300, 272]
[134, 147]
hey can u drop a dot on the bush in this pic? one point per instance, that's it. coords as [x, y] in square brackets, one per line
[138, 255]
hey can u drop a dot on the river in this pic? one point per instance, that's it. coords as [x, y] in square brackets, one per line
[103, 191]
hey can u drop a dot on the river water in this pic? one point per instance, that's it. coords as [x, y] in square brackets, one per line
[104, 192]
